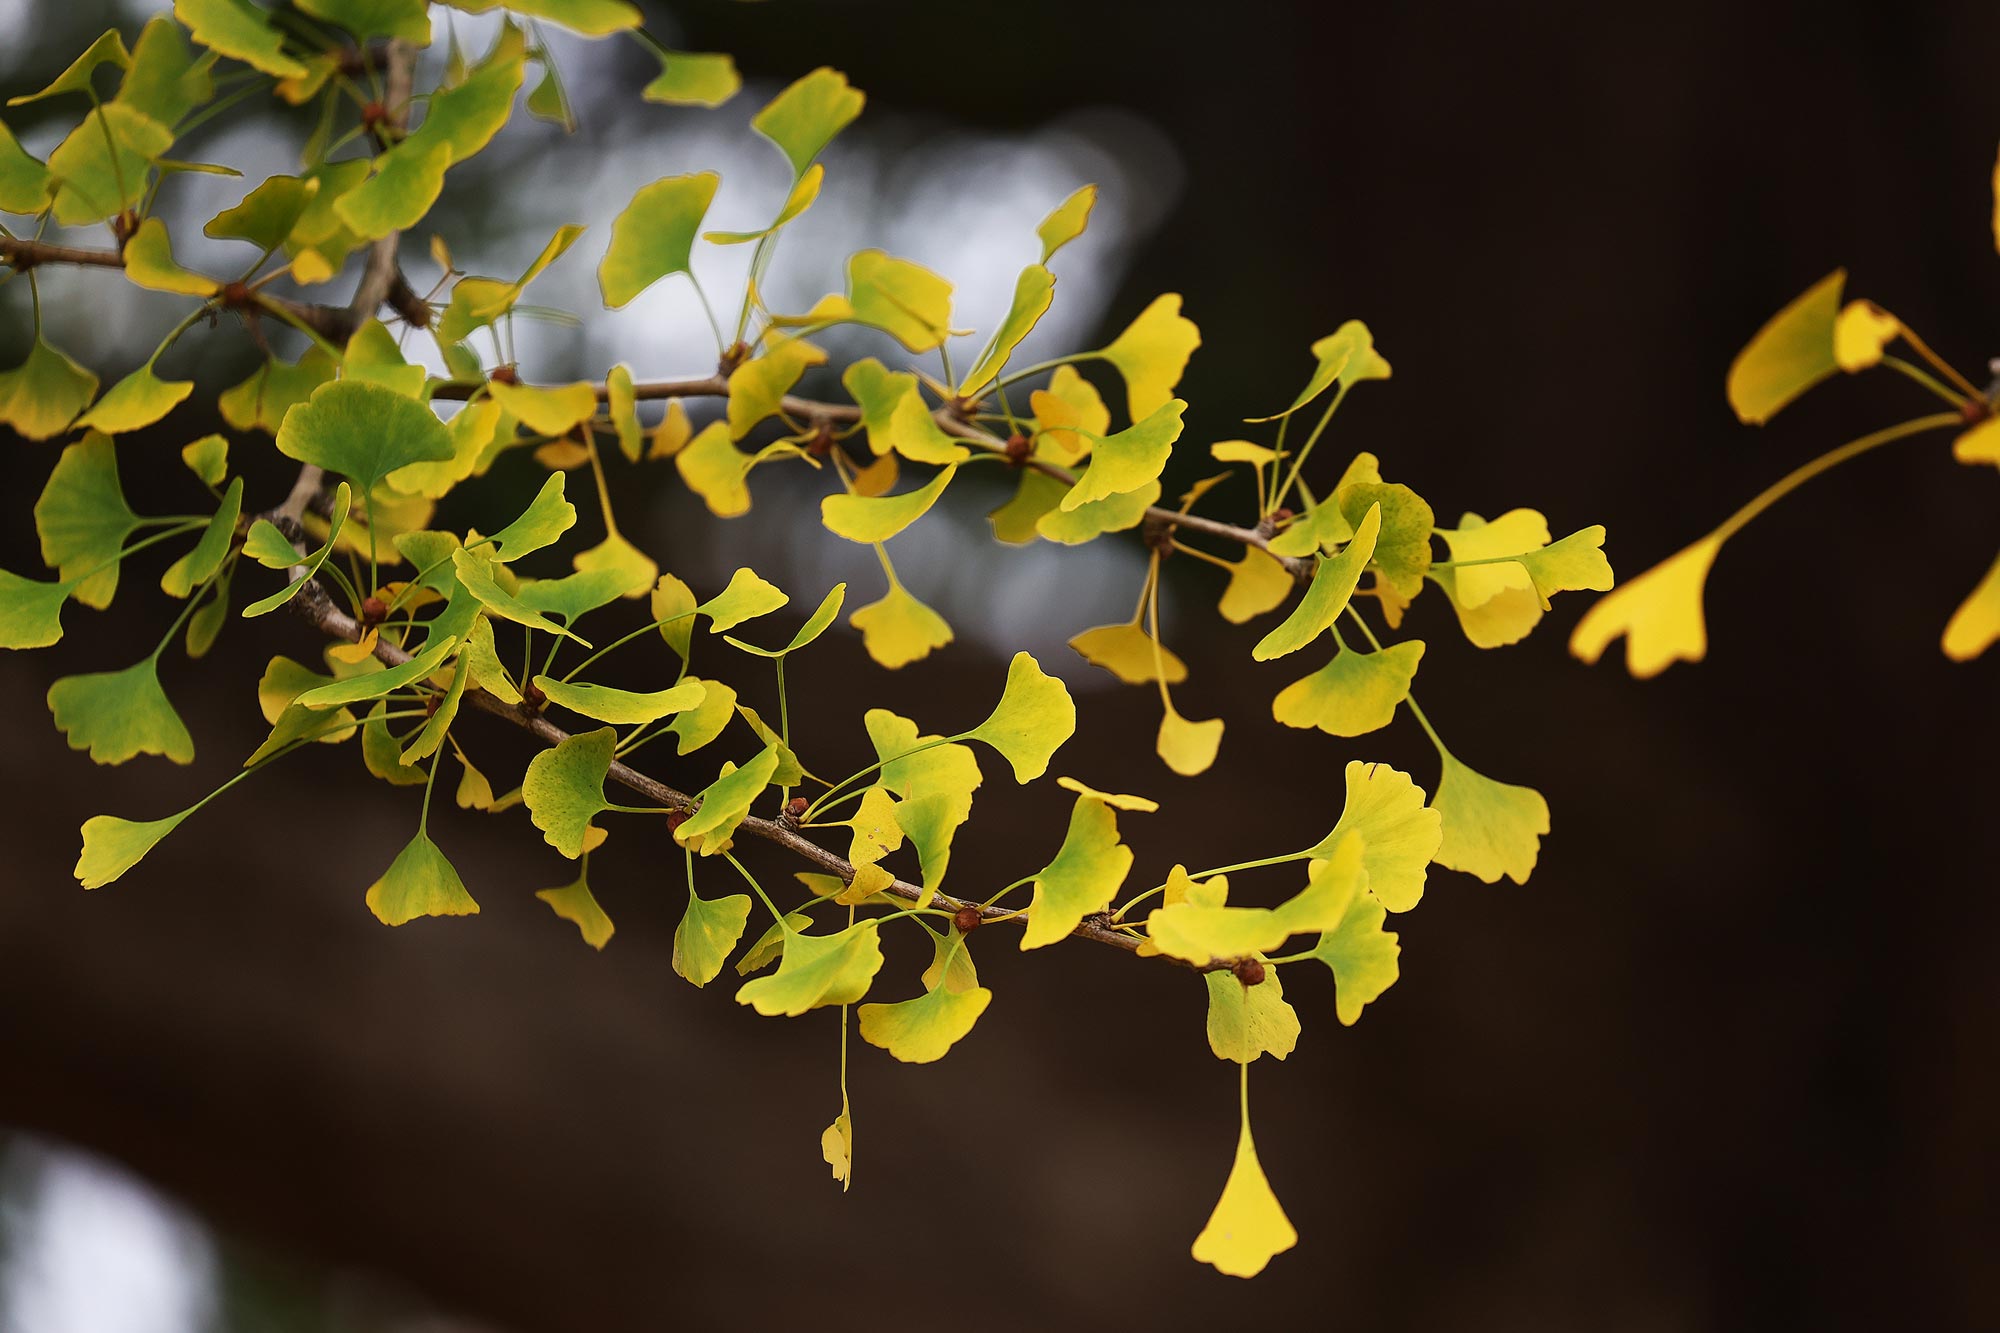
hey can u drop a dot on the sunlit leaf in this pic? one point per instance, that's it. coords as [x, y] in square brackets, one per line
[1087, 522]
[1083, 877]
[548, 516]
[1403, 549]
[1066, 222]
[118, 715]
[707, 932]
[899, 629]
[1152, 353]
[149, 262]
[1354, 694]
[1186, 746]
[724, 804]
[419, 882]
[1257, 583]
[921, 1030]
[804, 193]
[1490, 828]
[1038, 495]
[1362, 957]
[1248, 1226]
[1400, 835]
[108, 49]
[135, 402]
[112, 846]
[1659, 612]
[716, 470]
[1248, 1022]
[1346, 355]
[746, 598]
[564, 788]
[703, 723]
[1131, 460]
[362, 431]
[904, 300]
[1789, 355]
[817, 970]
[400, 193]
[1981, 444]
[1032, 720]
[240, 30]
[758, 386]
[690, 78]
[860, 518]
[26, 186]
[1034, 290]
[620, 707]
[1333, 585]
[815, 625]
[653, 237]
[803, 118]
[895, 416]
[95, 184]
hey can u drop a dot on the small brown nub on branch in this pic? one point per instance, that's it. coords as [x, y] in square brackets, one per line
[736, 355]
[821, 443]
[797, 806]
[373, 610]
[1017, 449]
[1249, 971]
[505, 375]
[532, 696]
[967, 919]
[237, 296]
[676, 818]
[1975, 410]
[373, 115]
[431, 703]
[124, 225]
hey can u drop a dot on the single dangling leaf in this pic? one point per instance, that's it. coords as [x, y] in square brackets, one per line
[1152, 353]
[708, 931]
[42, 395]
[1976, 623]
[564, 788]
[1248, 1022]
[861, 518]
[899, 629]
[1400, 835]
[1130, 460]
[690, 78]
[725, 803]
[1490, 828]
[921, 1030]
[815, 971]
[84, 521]
[1248, 1227]
[654, 236]
[1789, 355]
[419, 882]
[119, 715]
[1128, 652]
[1032, 720]
[1354, 694]
[576, 904]
[1659, 613]
[803, 118]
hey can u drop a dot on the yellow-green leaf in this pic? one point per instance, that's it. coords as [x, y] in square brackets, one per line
[1186, 746]
[899, 629]
[118, 715]
[108, 49]
[1362, 957]
[1248, 1226]
[817, 970]
[1248, 1022]
[1033, 292]
[1083, 877]
[240, 30]
[1066, 222]
[112, 846]
[25, 184]
[1130, 654]
[904, 300]
[1093, 520]
[1400, 835]
[1152, 353]
[921, 1030]
[1257, 583]
[1490, 828]
[1789, 355]
[1131, 460]
[419, 882]
[708, 931]
[725, 802]
[1032, 720]
[42, 395]
[716, 470]
[747, 597]
[758, 386]
[149, 262]
[564, 788]
[199, 565]
[95, 184]
[135, 402]
[1334, 580]
[84, 521]
[576, 904]
[693, 78]
[404, 187]
[622, 708]
[803, 119]
[1975, 625]
[1352, 695]
[860, 518]
[655, 234]
[895, 416]
[362, 431]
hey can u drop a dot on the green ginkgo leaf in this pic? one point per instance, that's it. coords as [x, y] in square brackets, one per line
[548, 516]
[725, 802]
[895, 416]
[118, 715]
[208, 459]
[260, 402]
[1403, 549]
[42, 395]
[1130, 460]
[26, 186]
[1790, 354]
[149, 263]
[899, 629]
[1084, 876]
[105, 164]
[1490, 828]
[264, 217]
[707, 932]
[135, 402]
[1032, 720]
[1354, 694]
[84, 521]
[863, 518]
[362, 431]
[655, 235]
[108, 49]
[758, 387]
[693, 78]
[1203, 928]
[817, 970]
[382, 749]
[746, 598]
[803, 118]
[266, 545]
[1320, 529]
[1036, 495]
[1400, 835]
[1093, 520]
[1346, 355]
[431, 736]
[631, 571]
[31, 611]
[576, 904]
[112, 846]
[480, 577]
[466, 116]
[1152, 353]
[377, 684]
[1334, 580]
[1248, 1022]
[815, 625]
[564, 788]
[199, 565]
[904, 300]
[1066, 222]
[1362, 957]
[921, 1030]
[240, 30]
[419, 882]
[805, 191]
[1034, 290]
[701, 724]
[1128, 652]
[166, 80]
[401, 192]
[621, 708]
[372, 357]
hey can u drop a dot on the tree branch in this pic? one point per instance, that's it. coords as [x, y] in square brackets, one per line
[317, 607]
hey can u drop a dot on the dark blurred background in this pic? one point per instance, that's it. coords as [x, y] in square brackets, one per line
[1726, 1062]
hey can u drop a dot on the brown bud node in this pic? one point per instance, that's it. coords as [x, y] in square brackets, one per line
[373, 610]
[1017, 449]
[1249, 971]
[797, 806]
[676, 818]
[531, 695]
[967, 919]
[505, 375]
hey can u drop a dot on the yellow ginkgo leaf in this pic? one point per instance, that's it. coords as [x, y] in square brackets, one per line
[899, 629]
[1082, 879]
[672, 434]
[906, 301]
[1033, 719]
[1489, 828]
[1066, 222]
[1976, 624]
[1112, 799]
[716, 470]
[42, 395]
[1152, 353]
[1354, 694]
[1130, 654]
[1070, 417]
[1860, 332]
[149, 262]
[1248, 1226]
[1246, 1023]
[546, 410]
[921, 1030]
[135, 402]
[1660, 612]
[1400, 834]
[1981, 444]
[1333, 585]
[1789, 355]
[895, 416]
[1188, 748]
[836, 1147]
[757, 387]
[861, 518]
[1258, 583]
